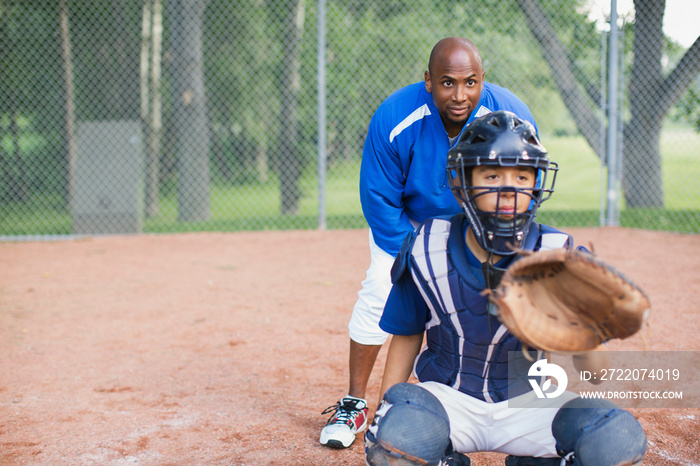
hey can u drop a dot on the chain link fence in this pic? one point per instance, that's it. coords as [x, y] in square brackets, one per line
[190, 115]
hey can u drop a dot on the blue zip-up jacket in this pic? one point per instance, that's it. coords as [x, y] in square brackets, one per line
[403, 174]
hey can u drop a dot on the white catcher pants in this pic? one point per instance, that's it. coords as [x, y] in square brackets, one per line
[476, 425]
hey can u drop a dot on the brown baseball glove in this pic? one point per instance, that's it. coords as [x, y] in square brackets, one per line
[563, 300]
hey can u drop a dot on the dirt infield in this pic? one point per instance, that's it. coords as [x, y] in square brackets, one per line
[225, 348]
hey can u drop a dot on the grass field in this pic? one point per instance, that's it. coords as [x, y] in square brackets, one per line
[576, 201]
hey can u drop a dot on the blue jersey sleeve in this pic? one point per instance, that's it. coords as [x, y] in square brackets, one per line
[382, 181]
[405, 312]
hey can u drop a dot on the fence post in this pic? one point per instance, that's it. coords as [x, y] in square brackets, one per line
[321, 71]
[613, 215]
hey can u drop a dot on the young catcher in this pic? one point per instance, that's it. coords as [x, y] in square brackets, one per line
[464, 401]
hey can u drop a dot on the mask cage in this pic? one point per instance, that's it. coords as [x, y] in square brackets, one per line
[493, 231]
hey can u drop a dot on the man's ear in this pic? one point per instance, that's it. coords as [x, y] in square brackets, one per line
[428, 82]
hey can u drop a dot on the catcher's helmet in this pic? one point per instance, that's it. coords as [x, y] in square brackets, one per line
[499, 139]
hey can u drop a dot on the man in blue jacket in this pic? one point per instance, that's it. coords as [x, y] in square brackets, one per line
[403, 182]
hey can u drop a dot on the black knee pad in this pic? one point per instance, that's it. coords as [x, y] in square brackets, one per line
[598, 433]
[410, 427]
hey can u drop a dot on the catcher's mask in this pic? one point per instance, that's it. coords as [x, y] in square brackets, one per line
[499, 139]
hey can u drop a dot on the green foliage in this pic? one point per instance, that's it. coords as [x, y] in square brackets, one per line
[105, 43]
[688, 107]
[373, 48]
[241, 56]
[576, 201]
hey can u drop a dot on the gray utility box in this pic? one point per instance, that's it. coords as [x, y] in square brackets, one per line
[108, 184]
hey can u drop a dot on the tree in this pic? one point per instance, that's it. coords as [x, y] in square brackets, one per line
[651, 94]
[151, 40]
[190, 121]
[15, 177]
[289, 160]
[69, 99]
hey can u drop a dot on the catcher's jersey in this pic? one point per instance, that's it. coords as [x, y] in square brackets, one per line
[403, 174]
[437, 289]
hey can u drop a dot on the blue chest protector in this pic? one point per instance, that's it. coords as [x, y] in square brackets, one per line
[467, 347]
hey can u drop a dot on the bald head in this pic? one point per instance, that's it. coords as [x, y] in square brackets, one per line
[444, 49]
[455, 78]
